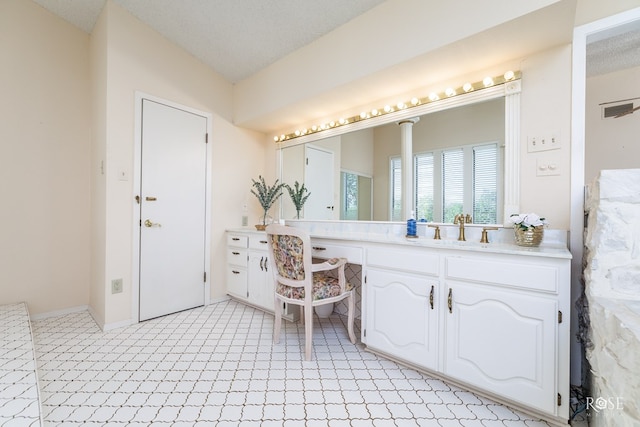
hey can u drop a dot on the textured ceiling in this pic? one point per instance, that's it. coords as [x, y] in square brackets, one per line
[613, 50]
[236, 38]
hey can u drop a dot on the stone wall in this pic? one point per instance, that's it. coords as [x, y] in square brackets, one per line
[612, 288]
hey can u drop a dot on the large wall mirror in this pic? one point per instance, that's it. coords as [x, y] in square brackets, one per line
[464, 160]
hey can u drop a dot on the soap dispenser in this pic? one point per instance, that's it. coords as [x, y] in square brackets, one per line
[411, 226]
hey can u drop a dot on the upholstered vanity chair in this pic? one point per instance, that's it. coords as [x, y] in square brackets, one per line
[298, 281]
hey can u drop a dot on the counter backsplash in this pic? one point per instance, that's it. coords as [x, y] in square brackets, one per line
[473, 232]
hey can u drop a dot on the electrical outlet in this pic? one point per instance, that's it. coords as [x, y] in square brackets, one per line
[116, 286]
[245, 220]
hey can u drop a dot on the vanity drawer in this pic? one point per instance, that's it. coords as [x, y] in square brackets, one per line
[416, 261]
[237, 241]
[511, 273]
[237, 256]
[258, 242]
[326, 251]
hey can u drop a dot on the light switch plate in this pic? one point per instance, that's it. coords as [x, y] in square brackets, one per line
[547, 167]
[536, 143]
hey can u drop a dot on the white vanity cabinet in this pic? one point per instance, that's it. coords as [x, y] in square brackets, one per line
[249, 276]
[491, 321]
[401, 310]
[503, 327]
[493, 318]
[237, 260]
[260, 285]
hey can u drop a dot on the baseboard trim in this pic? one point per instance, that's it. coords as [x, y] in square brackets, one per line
[218, 300]
[58, 313]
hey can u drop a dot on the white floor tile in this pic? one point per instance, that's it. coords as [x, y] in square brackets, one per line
[217, 366]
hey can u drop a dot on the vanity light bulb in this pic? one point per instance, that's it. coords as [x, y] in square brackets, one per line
[509, 75]
[401, 105]
[332, 123]
[374, 112]
[450, 92]
[415, 101]
[282, 137]
[467, 87]
[276, 139]
[387, 108]
[434, 96]
[488, 81]
[314, 128]
[363, 115]
[297, 132]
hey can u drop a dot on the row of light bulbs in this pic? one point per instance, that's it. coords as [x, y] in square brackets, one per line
[413, 102]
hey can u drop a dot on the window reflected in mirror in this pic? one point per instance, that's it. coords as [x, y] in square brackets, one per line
[465, 180]
[355, 197]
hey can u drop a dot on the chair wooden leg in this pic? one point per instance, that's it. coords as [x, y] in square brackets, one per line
[350, 315]
[278, 321]
[308, 331]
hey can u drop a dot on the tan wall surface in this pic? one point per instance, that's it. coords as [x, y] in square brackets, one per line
[44, 159]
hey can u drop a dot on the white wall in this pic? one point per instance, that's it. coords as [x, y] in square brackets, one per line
[339, 63]
[44, 159]
[611, 143]
[546, 108]
[139, 59]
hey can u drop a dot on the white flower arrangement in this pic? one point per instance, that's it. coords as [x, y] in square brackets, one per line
[527, 221]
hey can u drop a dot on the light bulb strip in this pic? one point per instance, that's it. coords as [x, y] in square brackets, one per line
[412, 103]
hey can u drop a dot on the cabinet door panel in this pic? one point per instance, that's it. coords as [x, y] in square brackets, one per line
[237, 281]
[504, 339]
[400, 320]
[260, 284]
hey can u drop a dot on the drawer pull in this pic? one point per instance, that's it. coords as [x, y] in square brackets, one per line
[450, 300]
[431, 297]
[235, 253]
[264, 242]
[319, 248]
[235, 239]
[261, 265]
[235, 272]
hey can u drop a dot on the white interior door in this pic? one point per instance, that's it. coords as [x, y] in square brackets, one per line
[172, 210]
[318, 178]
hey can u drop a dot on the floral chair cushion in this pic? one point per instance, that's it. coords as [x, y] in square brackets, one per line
[287, 251]
[324, 286]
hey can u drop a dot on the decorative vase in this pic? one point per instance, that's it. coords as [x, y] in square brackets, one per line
[530, 237]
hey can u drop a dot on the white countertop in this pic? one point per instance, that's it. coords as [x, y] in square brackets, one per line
[553, 245]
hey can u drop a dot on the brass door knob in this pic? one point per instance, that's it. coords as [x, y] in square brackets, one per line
[148, 223]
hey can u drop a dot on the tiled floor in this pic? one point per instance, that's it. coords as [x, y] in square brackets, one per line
[19, 399]
[217, 366]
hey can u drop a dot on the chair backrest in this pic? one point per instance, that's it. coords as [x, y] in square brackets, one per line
[290, 255]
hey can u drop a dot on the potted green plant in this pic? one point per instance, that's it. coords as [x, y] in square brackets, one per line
[298, 196]
[267, 195]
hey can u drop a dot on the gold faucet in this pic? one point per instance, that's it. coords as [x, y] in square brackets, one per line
[460, 219]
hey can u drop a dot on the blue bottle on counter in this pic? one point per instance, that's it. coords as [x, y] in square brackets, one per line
[411, 226]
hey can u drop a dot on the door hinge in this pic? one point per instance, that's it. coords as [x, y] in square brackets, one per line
[559, 316]
[559, 399]
[365, 333]
[205, 276]
[206, 138]
[365, 279]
